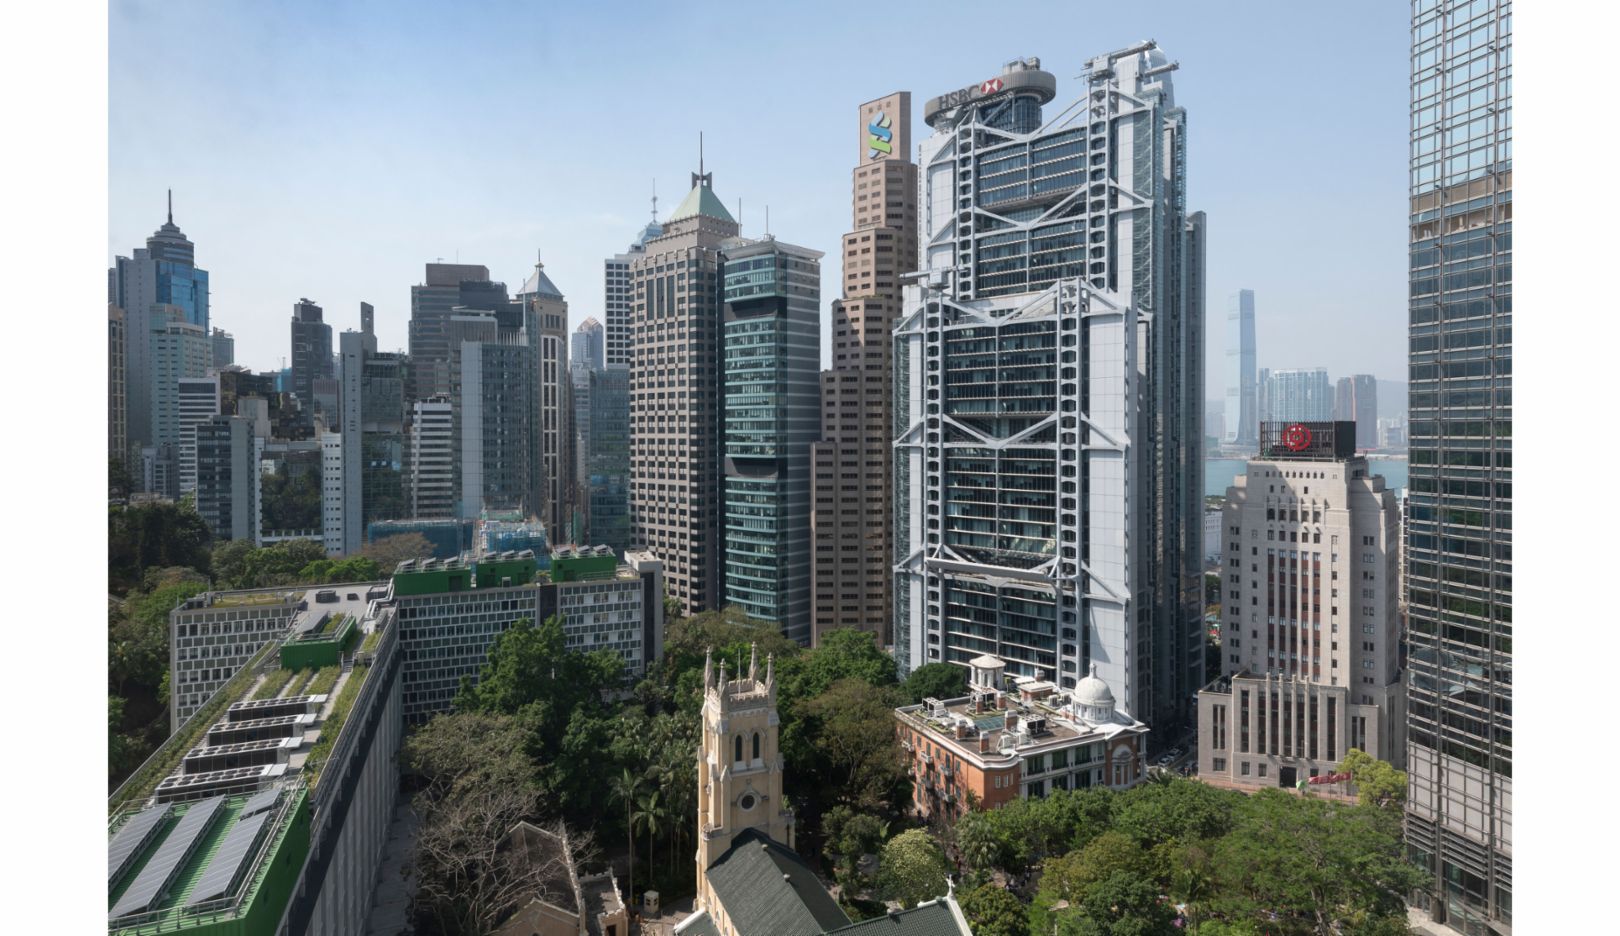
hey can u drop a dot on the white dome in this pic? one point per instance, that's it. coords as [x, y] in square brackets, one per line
[1093, 692]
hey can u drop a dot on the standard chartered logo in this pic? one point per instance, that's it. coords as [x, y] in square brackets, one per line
[879, 137]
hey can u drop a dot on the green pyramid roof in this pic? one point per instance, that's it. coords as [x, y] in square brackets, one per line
[701, 201]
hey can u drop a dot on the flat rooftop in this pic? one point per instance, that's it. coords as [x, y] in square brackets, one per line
[1041, 721]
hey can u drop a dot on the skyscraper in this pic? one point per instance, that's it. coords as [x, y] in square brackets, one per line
[176, 350]
[607, 459]
[852, 568]
[228, 477]
[197, 400]
[117, 388]
[224, 349]
[445, 286]
[311, 352]
[675, 395]
[163, 273]
[586, 358]
[1047, 390]
[1242, 396]
[495, 423]
[433, 493]
[355, 349]
[587, 348]
[1298, 395]
[1355, 399]
[771, 356]
[1459, 816]
[545, 323]
[618, 296]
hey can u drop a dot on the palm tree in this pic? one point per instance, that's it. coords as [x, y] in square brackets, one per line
[627, 787]
[650, 818]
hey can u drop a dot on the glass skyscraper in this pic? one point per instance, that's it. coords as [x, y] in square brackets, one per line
[1049, 388]
[1459, 568]
[1242, 396]
[771, 364]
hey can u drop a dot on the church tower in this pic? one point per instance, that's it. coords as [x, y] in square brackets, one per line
[739, 765]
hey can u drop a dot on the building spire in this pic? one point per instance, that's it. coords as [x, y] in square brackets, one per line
[655, 201]
[753, 661]
[708, 668]
[701, 177]
[171, 206]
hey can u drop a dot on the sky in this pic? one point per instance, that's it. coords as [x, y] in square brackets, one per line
[329, 149]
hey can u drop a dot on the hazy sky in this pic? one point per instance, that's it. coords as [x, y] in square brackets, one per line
[329, 149]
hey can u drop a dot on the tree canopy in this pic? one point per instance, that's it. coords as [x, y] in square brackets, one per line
[937, 681]
[1377, 782]
[912, 869]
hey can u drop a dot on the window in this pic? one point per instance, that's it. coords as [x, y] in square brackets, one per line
[1245, 769]
[1219, 763]
[756, 745]
[738, 758]
[1262, 770]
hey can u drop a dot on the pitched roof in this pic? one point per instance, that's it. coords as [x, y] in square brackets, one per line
[699, 924]
[936, 918]
[539, 283]
[768, 889]
[701, 201]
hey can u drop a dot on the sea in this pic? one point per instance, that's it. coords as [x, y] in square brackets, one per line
[1219, 472]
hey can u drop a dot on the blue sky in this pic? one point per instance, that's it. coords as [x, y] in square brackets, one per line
[329, 149]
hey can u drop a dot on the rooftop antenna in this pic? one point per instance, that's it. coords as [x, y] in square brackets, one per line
[701, 177]
[171, 206]
[767, 220]
[655, 201]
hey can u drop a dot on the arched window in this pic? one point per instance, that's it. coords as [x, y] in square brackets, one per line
[738, 758]
[756, 745]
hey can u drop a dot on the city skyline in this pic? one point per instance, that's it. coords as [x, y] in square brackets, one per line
[266, 155]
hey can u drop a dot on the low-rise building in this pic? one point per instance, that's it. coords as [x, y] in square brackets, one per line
[1001, 742]
[213, 634]
[266, 811]
[451, 611]
[565, 902]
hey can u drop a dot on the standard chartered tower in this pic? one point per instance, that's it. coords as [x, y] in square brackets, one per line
[1048, 381]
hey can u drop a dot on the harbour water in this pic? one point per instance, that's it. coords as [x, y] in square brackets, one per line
[1219, 472]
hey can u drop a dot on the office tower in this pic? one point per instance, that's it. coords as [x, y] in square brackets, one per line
[1047, 392]
[618, 295]
[495, 424]
[1242, 426]
[355, 349]
[1262, 403]
[545, 321]
[607, 460]
[382, 438]
[588, 347]
[368, 319]
[1310, 630]
[332, 499]
[852, 568]
[228, 477]
[1356, 399]
[433, 493]
[196, 400]
[311, 352]
[224, 349]
[163, 273]
[675, 470]
[177, 350]
[117, 389]
[1299, 395]
[445, 286]
[770, 370]
[1459, 816]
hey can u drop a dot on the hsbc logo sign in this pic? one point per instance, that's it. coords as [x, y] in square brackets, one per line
[991, 86]
[969, 93]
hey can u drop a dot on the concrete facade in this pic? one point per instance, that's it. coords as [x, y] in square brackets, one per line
[675, 397]
[851, 569]
[1310, 629]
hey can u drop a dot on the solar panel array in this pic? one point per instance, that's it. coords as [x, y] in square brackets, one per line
[130, 838]
[228, 860]
[259, 803]
[159, 872]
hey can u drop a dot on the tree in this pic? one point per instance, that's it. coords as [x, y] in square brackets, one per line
[389, 551]
[476, 786]
[649, 818]
[858, 759]
[912, 869]
[351, 569]
[1377, 782]
[119, 483]
[626, 788]
[1322, 867]
[530, 671]
[994, 911]
[149, 536]
[937, 681]
[849, 836]
[1177, 812]
[1069, 877]
[1121, 904]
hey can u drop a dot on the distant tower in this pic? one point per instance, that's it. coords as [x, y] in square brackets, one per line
[739, 766]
